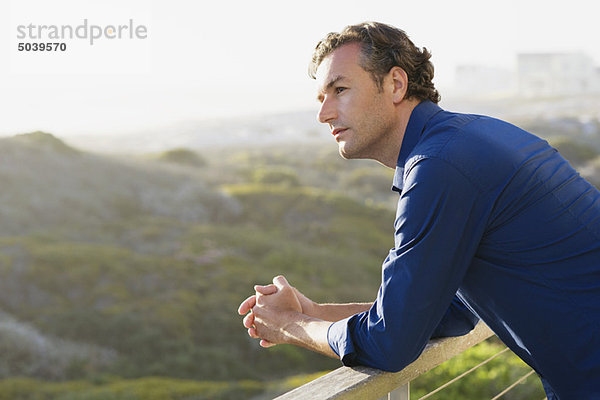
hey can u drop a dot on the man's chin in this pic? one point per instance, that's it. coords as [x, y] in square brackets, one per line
[345, 153]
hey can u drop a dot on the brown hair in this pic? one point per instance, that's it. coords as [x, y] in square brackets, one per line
[383, 47]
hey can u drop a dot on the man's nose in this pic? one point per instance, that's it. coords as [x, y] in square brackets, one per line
[327, 112]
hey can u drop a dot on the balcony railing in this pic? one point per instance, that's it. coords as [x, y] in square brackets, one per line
[364, 383]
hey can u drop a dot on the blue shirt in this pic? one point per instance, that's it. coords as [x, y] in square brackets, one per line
[492, 223]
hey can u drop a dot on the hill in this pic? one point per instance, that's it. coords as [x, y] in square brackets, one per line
[147, 262]
[49, 185]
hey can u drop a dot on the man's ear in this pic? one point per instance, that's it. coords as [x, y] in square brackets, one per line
[400, 83]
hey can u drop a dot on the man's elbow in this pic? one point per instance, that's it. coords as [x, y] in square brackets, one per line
[459, 325]
[396, 358]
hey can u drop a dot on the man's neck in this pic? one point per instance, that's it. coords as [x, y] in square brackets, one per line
[389, 155]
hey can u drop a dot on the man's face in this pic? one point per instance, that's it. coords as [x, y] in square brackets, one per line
[359, 114]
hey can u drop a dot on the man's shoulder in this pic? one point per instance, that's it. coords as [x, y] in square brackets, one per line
[447, 126]
[485, 149]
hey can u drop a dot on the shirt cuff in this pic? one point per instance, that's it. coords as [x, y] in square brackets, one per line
[340, 340]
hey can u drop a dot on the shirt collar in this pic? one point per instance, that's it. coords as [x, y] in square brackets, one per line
[416, 124]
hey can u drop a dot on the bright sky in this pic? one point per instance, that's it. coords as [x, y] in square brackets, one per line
[230, 58]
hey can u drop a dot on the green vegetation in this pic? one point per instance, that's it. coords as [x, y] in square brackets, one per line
[483, 383]
[133, 269]
[182, 156]
[275, 176]
[151, 388]
[576, 152]
[120, 278]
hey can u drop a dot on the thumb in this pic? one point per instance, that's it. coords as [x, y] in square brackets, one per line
[266, 290]
[280, 282]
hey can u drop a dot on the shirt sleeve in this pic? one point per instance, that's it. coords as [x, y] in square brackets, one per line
[440, 220]
[457, 321]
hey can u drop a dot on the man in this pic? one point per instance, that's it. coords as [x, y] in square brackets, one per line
[491, 223]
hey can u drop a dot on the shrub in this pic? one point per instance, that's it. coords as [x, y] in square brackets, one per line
[182, 156]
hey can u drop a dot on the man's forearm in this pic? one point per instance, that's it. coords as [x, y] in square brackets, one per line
[310, 333]
[336, 312]
[278, 326]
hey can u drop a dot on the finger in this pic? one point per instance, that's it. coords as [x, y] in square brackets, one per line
[266, 344]
[266, 290]
[248, 320]
[280, 281]
[252, 332]
[247, 305]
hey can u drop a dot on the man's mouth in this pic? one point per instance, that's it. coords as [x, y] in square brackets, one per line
[337, 131]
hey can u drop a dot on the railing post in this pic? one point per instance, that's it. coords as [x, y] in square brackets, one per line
[402, 393]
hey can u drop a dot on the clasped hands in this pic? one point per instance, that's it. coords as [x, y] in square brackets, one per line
[270, 309]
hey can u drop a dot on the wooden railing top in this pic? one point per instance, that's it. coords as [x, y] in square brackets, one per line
[364, 383]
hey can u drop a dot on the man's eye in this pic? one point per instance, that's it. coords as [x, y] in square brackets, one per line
[339, 90]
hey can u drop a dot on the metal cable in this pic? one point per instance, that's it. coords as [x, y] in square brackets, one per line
[513, 385]
[463, 374]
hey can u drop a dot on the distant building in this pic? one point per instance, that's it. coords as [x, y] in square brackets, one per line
[536, 75]
[556, 74]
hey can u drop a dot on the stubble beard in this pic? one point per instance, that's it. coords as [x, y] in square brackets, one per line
[369, 134]
[355, 148]
[356, 152]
